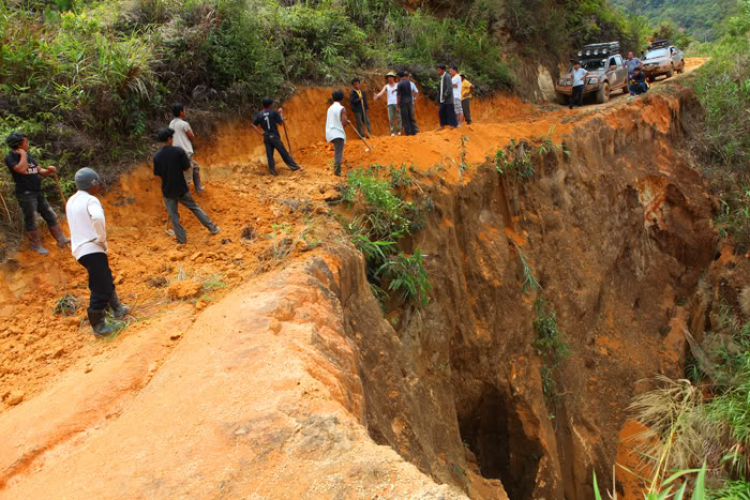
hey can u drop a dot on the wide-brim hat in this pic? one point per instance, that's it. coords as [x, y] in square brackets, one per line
[391, 73]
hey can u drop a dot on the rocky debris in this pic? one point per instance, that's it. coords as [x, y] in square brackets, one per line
[248, 233]
[157, 282]
[15, 398]
[183, 290]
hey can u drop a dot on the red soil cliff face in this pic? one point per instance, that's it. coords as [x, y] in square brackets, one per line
[290, 383]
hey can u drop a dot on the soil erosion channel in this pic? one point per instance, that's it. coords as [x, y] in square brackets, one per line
[261, 365]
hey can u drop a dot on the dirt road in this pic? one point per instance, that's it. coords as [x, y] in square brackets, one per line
[74, 403]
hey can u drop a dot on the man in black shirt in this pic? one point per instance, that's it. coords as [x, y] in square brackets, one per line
[266, 123]
[26, 174]
[404, 99]
[358, 103]
[169, 163]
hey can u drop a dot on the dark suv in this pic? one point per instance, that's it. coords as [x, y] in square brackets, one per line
[663, 58]
[607, 73]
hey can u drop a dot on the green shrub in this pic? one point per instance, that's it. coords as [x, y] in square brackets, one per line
[407, 276]
[380, 219]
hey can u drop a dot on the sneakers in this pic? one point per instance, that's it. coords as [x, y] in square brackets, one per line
[215, 230]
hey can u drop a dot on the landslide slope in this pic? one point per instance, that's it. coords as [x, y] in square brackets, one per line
[290, 383]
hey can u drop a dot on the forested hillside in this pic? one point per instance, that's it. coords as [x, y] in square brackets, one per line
[701, 19]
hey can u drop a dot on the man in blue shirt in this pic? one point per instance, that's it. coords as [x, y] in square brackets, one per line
[632, 63]
[266, 124]
[579, 79]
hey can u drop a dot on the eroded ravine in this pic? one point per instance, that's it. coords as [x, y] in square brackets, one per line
[284, 387]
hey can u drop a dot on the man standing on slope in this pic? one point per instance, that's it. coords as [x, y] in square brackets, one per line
[335, 133]
[456, 83]
[447, 112]
[466, 93]
[170, 163]
[184, 138]
[404, 96]
[414, 93]
[578, 75]
[394, 117]
[88, 231]
[266, 123]
[358, 103]
[27, 175]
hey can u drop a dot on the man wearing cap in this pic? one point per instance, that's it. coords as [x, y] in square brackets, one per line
[169, 163]
[394, 117]
[88, 232]
[27, 174]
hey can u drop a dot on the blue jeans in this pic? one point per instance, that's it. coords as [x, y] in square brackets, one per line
[638, 89]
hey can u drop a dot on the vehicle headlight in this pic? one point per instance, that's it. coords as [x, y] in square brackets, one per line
[593, 81]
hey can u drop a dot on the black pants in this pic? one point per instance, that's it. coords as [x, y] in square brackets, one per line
[576, 99]
[448, 115]
[363, 122]
[31, 203]
[273, 142]
[466, 105]
[408, 122]
[101, 283]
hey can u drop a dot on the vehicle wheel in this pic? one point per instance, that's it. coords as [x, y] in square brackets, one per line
[602, 95]
[682, 68]
[562, 99]
[671, 71]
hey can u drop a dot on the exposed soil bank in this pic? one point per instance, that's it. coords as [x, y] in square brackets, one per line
[286, 387]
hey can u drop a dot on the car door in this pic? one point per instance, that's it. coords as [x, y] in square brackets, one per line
[612, 76]
[622, 71]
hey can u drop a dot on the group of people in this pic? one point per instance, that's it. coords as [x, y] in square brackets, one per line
[401, 96]
[636, 80]
[174, 163]
[636, 77]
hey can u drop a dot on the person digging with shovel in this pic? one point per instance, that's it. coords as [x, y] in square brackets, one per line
[358, 103]
[27, 175]
[266, 124]
[88, 230]
[335, 122]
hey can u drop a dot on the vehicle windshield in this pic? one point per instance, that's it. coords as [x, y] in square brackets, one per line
[656, 53]
[593, 64]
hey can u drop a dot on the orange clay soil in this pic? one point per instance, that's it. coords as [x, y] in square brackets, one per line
[280, 219]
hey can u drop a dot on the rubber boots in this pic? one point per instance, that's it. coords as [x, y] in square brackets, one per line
[197, 181]
[119, 309]
[57, 232]
[36, 242]
[96, 318]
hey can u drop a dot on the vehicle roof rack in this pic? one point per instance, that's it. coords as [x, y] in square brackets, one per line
[659, 44]
[599, 49]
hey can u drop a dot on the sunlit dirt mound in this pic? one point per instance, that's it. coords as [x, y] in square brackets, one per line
[257, 363]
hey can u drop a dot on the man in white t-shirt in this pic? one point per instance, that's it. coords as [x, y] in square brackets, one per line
[456, 82]
[184, 137]
[394, 115]
[578, 74]
[88, 234]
